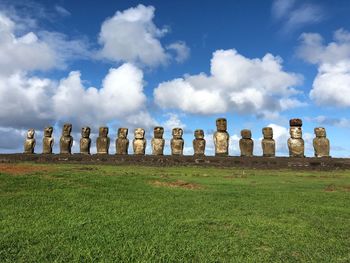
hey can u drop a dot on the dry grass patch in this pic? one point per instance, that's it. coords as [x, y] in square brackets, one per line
[22, 169]
[177, 184]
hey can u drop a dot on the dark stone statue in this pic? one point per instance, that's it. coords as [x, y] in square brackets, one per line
[199, 143]
[177, 143]
[139, 143]
[268, 143]
[221, 138]
[102, 141]
[66, 140]
[321, 143]
[158, 141]
[30, 142]
[122, 142]
[85, 141]
[296, 142]
[48, 140]
[246, 144]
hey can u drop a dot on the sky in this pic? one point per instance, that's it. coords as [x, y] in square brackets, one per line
[175, 64]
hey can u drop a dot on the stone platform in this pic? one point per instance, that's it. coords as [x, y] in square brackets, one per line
[166, 161]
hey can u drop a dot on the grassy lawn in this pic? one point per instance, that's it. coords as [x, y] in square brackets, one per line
[65, 213]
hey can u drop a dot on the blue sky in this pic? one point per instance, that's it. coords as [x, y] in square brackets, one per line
[175, 63]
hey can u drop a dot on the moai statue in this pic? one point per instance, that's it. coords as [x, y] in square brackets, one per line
[139, 143]
[29, 143]
[296, 142]
[246, 144]
[66, 140]
[221, 138]
[177, 143]
[102, 141]
[321, 143]
[85, 141]
[48, 140]
[122, 142]
[199, 143]
[158, 141]
[268, 143]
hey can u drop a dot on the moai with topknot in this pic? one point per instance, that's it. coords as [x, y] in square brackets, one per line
[268, 143]
[66, 140]
[122, 142]
[158, 141]
[139, 143]
[296, 142]
[199, 143]
[30, 142]
[221, 138]
[102, 141]
[177, 143]
[85, 141]
[246, 144]
[321, 143]
[48, 140]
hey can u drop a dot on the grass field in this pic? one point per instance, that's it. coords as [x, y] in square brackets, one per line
[81, 213]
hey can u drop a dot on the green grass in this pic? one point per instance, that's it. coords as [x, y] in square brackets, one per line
[80, 213]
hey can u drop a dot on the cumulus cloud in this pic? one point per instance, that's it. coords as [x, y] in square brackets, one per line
[333, 62]
[236, 83]
[132, 36]
[325, 120]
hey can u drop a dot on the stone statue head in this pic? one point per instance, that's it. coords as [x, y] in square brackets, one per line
[320, 132]
[67, 129]
[103, 131]
[158, 132]
[48, 131]
[267, 132]
[30, 134]
[177, 133]
[122, 133]
[221, 124]
[199, 134]
[85, 132]
[295, 132]
[139, 133]
[246, 134]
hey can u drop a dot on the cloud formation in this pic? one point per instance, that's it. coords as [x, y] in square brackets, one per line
[236, 83]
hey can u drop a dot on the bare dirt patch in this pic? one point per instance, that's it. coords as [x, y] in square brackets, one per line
[177, 184]
[22, 169]
[330, 188]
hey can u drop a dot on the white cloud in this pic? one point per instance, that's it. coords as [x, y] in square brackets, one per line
[132, 36]
[333, 61]
[173, 122]
[232, 87]
[181, 49]
[62, 11]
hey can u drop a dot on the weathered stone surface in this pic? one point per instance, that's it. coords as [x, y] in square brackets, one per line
[85, 141]
[199, 143]
[158, 141]
[268, 143]
[321, 143]
[295, 142]
[103, 141]
[122, 142]
[177, 143]
[48, 140]
[139, 143]
[30, 142]
[246, 144]
[66, 140]
[221, 138]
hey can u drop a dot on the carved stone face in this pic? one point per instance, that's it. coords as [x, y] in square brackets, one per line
[103, 132]
[246, 134]
[139, 133]
[267, 132]
[177, 133]
[48, 131]
[67, 129]
[122, 133]
[85, 132]
[295, 132]
[158, 132]
[221, 124]
[30, 134]
[320, 132]
[199, 134]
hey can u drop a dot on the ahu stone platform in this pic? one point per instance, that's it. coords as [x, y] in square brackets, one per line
[254, 162]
